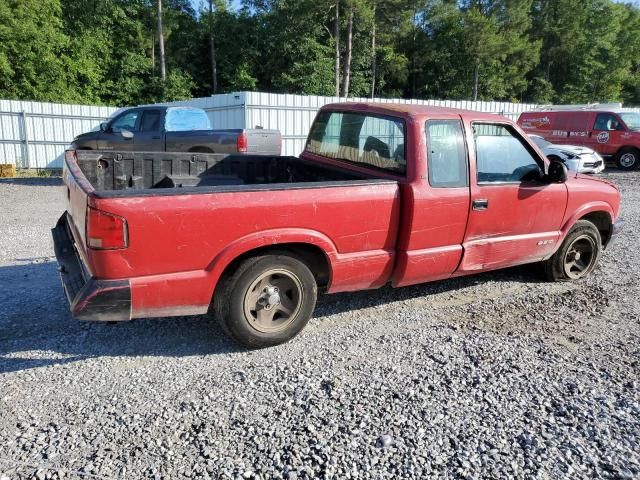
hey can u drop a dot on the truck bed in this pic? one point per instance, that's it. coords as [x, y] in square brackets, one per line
[122, 173]
[185, 217]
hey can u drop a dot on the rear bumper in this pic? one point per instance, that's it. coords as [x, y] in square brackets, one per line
[89, 298]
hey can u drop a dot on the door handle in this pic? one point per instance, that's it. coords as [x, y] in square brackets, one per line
[480, 204]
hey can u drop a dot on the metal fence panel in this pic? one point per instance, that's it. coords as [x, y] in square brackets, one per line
[35, 134]
[293, 114]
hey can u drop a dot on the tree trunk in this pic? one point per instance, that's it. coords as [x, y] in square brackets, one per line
[336, 36]
[163, 68]
[373, 54]
[347, 62]
[153, 54]
[413, 54]
[475, 80]
[212, 45]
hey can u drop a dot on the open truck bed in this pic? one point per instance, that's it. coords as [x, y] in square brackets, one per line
[157, 173]
[150, 233]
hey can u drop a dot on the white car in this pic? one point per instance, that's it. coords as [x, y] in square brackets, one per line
[578, 159]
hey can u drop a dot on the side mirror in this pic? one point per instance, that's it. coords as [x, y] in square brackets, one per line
[557, 172]
[104, 126]
[126, 134]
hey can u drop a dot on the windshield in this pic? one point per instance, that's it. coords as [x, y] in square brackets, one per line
[632, 119]
[539, 141]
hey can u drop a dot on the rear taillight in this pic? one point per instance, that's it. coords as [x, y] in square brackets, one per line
[241, 142]
[105, 231]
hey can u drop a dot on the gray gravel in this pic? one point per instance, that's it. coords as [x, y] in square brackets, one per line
[494, 376]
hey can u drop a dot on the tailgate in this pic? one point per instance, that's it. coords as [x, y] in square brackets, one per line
[264, 142]
[77, 190]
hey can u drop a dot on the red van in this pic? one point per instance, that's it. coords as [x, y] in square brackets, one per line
[608, 129]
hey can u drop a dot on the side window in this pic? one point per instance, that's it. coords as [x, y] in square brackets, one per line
[183, 119]
[501, 156]
[446, 154]
[607, 122]
[150, 121]
[372, 140]
[127, 121]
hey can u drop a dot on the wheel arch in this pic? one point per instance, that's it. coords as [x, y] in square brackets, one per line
[315, 249]
[600, 214]
[627, 147]
[603, 222]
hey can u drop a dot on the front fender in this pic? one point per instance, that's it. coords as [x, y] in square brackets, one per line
[595, 206]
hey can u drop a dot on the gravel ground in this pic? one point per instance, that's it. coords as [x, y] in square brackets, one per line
[494, 376]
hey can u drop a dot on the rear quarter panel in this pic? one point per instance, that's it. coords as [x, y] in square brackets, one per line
[179, 245]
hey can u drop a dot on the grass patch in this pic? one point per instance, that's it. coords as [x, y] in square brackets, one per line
[38, 172]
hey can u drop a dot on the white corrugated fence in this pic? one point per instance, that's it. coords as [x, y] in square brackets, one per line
[34, 135]
[293, 114]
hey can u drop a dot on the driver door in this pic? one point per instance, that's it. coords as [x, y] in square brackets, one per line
[515, 217]
[112, 139]
[608, 134]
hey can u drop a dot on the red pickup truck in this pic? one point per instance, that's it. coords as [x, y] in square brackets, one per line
[382, 193]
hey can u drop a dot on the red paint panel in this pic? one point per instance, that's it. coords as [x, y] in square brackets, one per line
[433, 219]
[418, 266]
[187, 293]
[179, 245]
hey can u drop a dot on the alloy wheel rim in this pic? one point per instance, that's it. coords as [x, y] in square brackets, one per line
[273, 300]
[580, 257]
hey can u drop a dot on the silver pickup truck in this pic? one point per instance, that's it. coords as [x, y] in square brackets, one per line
[175, 129]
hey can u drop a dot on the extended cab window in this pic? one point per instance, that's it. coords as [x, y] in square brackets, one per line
[501, 155]
[126, 121]
[446, 154]
[362, 138]
[183, 119]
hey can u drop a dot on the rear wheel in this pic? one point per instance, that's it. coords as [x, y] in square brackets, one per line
[266, 301]
[628, 158]
[577, 256]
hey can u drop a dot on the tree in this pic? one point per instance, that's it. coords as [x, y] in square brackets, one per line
[214, 66]
[163, 68]
[106, 51]
[347, 62]
[33, 49]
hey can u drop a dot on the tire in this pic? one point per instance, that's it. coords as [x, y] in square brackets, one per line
[628, 158]
[267, 301]
[565, 266]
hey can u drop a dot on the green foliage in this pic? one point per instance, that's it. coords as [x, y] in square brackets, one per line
[105, 51]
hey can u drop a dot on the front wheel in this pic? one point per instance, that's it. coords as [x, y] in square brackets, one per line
[267, 301]
[577, 256]
[628, 159]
